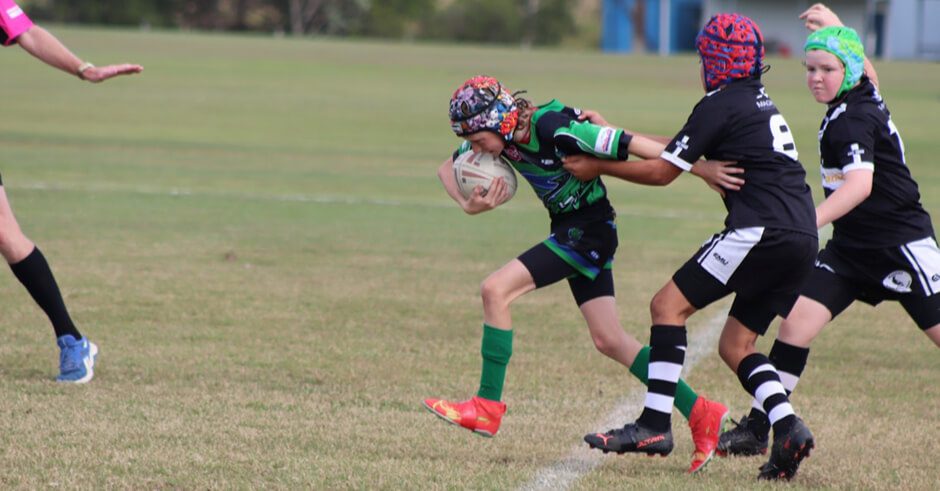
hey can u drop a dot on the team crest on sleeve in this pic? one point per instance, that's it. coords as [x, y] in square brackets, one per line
[605, 141]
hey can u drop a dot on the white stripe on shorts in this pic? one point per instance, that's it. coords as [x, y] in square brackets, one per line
[924, 256]
[722, 259]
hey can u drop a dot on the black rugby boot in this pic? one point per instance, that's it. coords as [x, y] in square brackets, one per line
[632, 437]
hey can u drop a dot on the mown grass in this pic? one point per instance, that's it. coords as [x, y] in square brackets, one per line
[253, 233]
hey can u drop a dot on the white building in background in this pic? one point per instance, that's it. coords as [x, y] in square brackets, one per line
[900, 29]
[895, 29]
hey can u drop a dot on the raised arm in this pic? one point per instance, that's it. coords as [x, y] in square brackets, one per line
[819, 16]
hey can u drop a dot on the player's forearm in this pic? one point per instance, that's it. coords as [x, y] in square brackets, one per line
[446, 174]
[645, 147]
[47, 48]
[650, 172]
[842, 201]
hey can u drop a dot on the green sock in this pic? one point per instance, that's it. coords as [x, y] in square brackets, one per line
[685, 396]
[496, 350]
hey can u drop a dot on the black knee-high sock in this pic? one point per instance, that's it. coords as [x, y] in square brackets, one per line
[34, 273]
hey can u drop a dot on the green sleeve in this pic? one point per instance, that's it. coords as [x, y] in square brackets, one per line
[584, 137]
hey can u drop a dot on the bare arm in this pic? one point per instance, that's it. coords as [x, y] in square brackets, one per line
[854, 190]
[651, 172]
[646, 147]
[477, 202]
[47, 48]
[819, 16]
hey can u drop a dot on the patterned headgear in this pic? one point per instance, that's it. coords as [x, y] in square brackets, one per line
[843, 42]
[483, 104]
[731, 47]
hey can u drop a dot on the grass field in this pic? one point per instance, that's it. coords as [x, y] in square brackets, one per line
[253, 233]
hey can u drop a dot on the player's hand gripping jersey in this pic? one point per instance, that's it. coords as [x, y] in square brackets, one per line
[740, 123]
[13, 22]
[858, 134]
[556, 134]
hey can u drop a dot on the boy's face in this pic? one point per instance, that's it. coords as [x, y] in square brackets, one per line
[486, 142]
[824, 75]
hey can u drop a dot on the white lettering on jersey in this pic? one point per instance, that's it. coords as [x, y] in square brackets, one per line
[605, 141]
[763, 100]
[14, 12]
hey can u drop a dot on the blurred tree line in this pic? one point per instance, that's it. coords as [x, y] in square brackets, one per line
[528, 22]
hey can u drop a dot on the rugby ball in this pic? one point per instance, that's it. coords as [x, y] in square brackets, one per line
[473, 169]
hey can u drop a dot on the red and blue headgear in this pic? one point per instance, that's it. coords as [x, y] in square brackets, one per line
[731, 47]
[483, 104]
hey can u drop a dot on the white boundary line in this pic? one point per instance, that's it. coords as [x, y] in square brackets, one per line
[328, 199]
[581, 459]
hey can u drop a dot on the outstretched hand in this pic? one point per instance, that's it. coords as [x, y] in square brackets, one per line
[582, 167]
[593, 117]
[719, 175]
[101, 73]
[819, 16]
[486, 199]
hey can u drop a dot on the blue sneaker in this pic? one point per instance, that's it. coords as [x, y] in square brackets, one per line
[77, 359]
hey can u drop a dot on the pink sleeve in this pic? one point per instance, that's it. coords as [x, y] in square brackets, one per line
[13, 21]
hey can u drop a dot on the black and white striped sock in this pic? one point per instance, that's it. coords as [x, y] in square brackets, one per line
[667, 354]
[790, 361]
[761, 380]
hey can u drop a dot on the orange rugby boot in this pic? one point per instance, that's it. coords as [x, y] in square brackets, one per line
[479, 415]
[706, 422]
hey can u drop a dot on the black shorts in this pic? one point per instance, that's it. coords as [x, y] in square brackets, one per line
[764, 267]
[909, 274]
[586, 240]
[547, 268]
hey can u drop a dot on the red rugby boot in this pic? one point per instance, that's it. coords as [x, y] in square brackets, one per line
[706, 422]
[479, 415]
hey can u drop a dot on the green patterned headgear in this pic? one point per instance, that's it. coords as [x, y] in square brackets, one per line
[843, 42]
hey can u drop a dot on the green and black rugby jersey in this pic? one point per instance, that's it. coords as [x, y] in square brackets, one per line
[557, 134]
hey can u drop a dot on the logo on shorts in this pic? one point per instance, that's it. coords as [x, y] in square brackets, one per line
[720, 259]
[574, 235]
[899, 281]
[935, 278]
